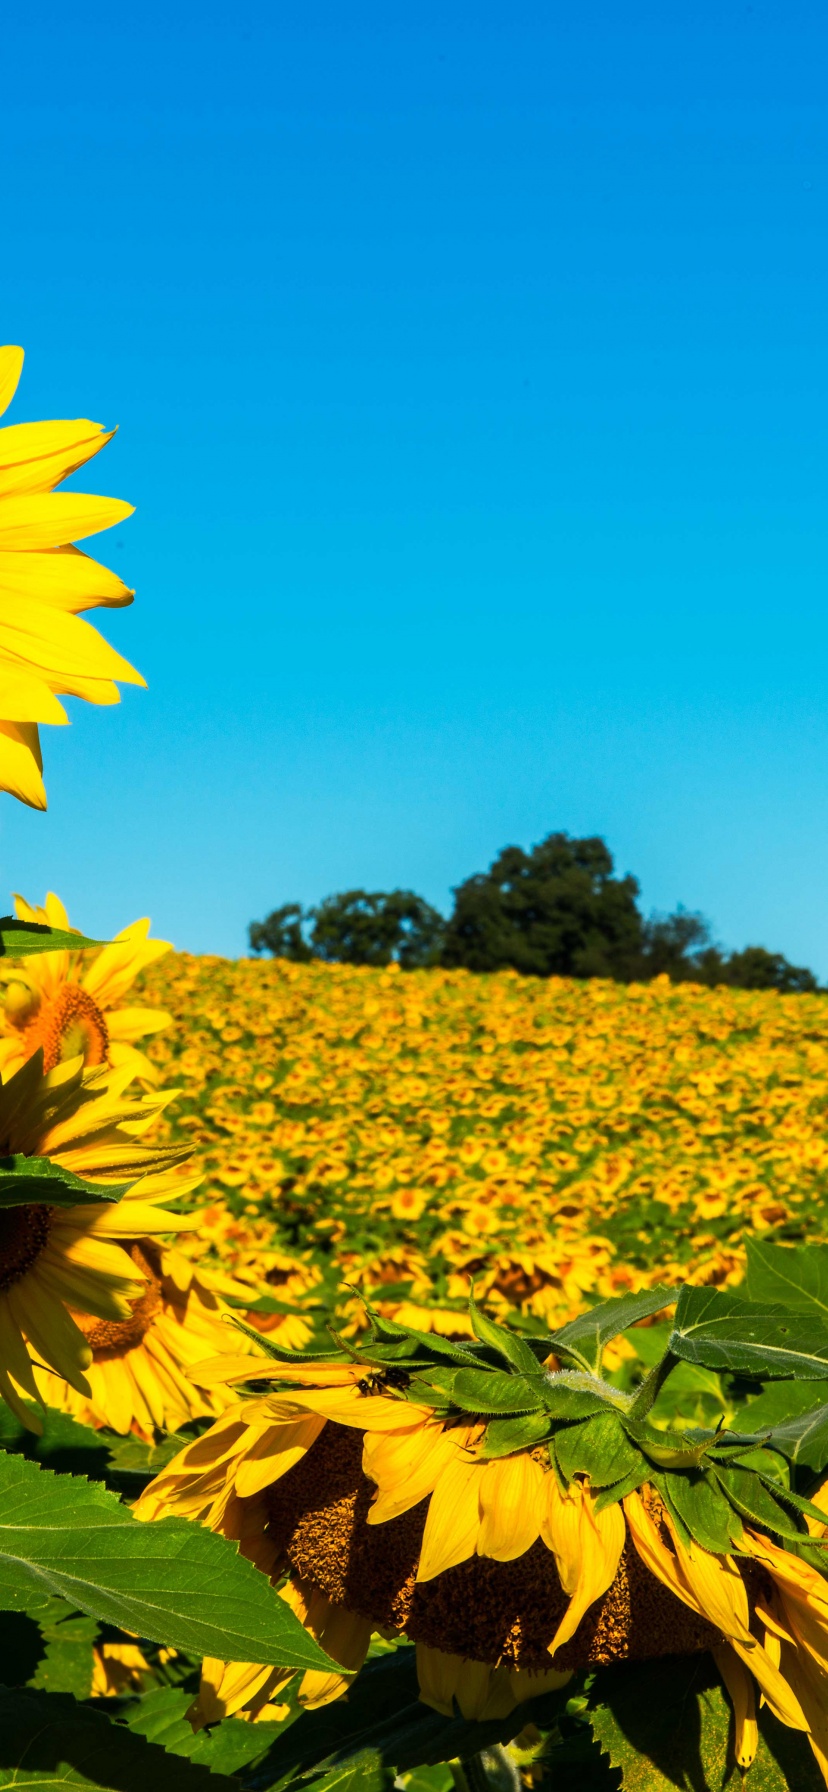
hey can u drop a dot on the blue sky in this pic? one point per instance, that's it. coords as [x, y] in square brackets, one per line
[470, 366]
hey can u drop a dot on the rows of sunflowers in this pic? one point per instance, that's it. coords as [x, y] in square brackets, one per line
[406, 1379]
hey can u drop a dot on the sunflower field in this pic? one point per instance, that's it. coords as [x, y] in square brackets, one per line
[407, 1380]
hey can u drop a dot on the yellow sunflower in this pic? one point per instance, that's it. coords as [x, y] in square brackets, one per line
[72, 1003]
[140, 1376]
[56, 1262]
[46, 651]
[387, 1518]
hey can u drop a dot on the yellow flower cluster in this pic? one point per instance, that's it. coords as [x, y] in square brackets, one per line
[555, 1141]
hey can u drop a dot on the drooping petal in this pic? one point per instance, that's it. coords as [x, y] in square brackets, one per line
[510, 1502]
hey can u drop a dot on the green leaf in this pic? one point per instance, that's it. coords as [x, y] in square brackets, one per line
[68, 1659]
[384, 1714]
[670, 1449]
[171, 1581]
[508, 1345]
[722, 1332]
[667, 1724]
[568, 1398]
[19, 939]
[753, 1499]
[64, 1443]
[584, 1338]
[365, 1772]
[796, 1278]
[48, 1740]
[493, 1390]
[24, 1180]
[159, 1715]
[699, 1503]
[598, 1448]
[503, 1436]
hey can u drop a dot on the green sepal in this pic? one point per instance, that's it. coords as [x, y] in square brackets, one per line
[618, 1490]
[386, 1331]
[504, 1436]
[754, 1501]
[567, 1399]
[599, 1448]
[696, 1499]
[798, 1503]
[583, 1339]
[19, 939]
[280, 1354]
[493, 1390]
[38, 1181]
[509, 1346]
[668, 1449]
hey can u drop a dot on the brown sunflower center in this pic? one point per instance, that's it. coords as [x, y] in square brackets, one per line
[69, 1026]
[24, 1232]
[113, 1337]
[482, 1610]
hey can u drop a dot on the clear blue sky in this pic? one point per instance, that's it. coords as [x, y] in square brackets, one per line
[470, 365]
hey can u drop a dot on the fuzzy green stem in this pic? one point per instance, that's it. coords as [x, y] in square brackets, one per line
[651, 1387]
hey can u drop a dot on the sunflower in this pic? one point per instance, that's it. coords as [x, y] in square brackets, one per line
[508, 1571]
[71, 1003]
[140, 1376]
[56, 1262]
[46, 651]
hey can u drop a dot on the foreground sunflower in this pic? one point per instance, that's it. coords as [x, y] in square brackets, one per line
[46, 651]
[517, 1521]
[58, 1262]
[72, 1003]
[142, 1374]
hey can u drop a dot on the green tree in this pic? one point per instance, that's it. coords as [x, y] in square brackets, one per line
[558, 909]
[756, 968]
[374, 927]
[281, 933]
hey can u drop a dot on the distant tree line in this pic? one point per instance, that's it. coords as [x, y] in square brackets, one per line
[558, 910]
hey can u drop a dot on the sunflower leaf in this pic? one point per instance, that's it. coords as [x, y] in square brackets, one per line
[598, 1448]
[503, 1436]
[493, 1390]
[34, 1181]
[753, 1500]
[49, 1740]
[583, 1339]
[719, 1331]
[700, 1504]
[508, 1345]
[794, 1278]
[19, 939]
[170, 1581]
[225, 1747]
[668, 1723]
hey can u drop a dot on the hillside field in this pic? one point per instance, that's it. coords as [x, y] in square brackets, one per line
[402, 1134]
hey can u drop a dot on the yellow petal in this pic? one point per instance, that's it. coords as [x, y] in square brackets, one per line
[11, 367]
[26, 697]
[64, 577]
[277, 1451]
[21, 763]
[54, 518]
[406, 1466]
[60, 647]
[740, 1687]
[34, 457]
[510, 1505]
[602, 1539]
[453, 1523]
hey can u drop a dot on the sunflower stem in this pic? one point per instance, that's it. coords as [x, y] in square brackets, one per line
[492, 1770]
[651, 1387]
